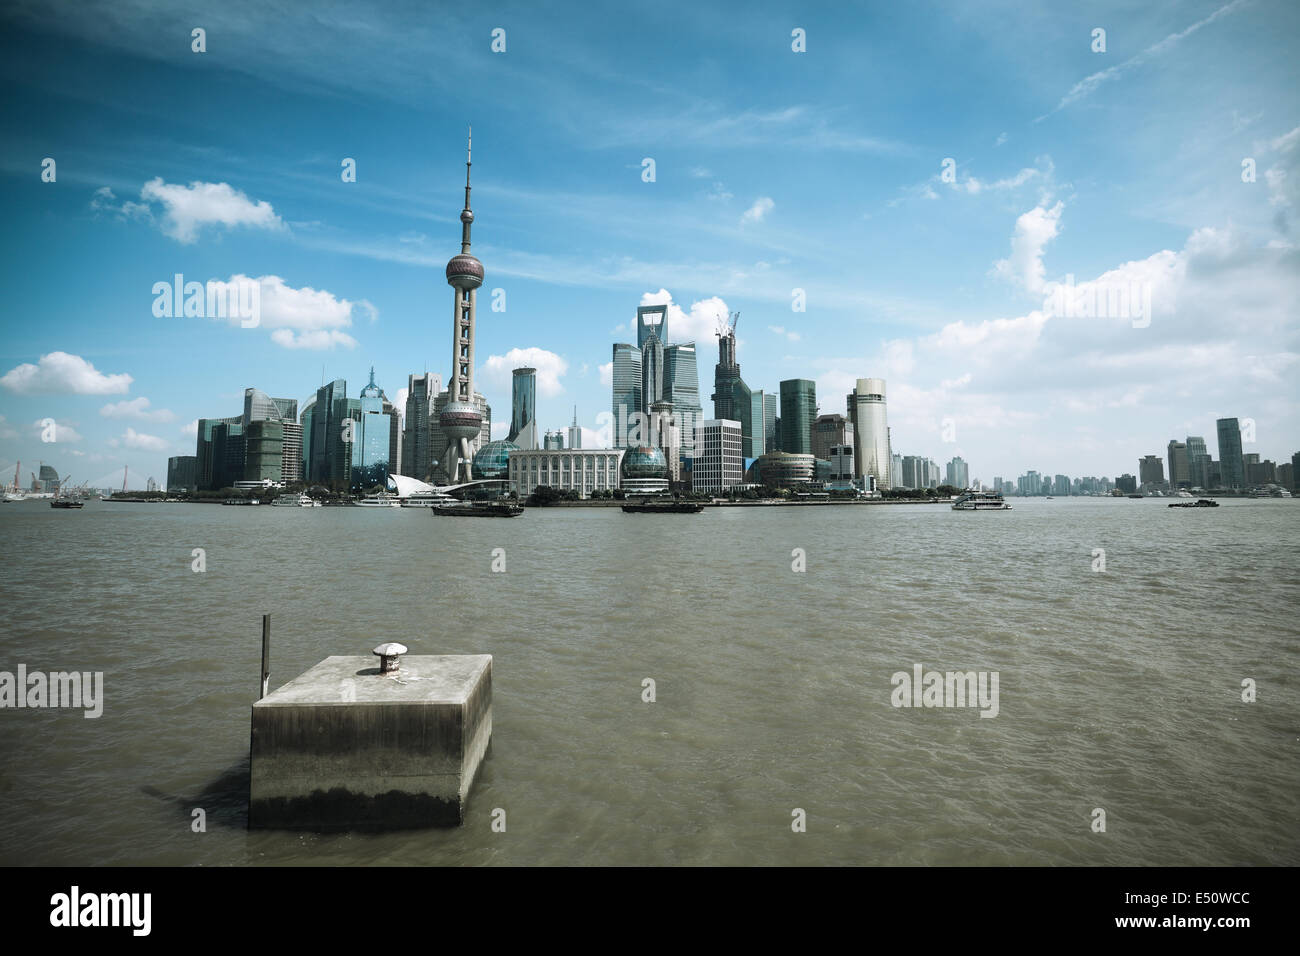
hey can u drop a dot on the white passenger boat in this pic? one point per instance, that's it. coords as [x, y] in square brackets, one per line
[980, 501]
[295, 501]
[381, 500]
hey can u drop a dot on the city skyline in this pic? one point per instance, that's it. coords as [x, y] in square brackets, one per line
[953, 322]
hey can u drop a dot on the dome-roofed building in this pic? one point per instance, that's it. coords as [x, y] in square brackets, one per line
[644, 470]
[779, 469]
[493, 459]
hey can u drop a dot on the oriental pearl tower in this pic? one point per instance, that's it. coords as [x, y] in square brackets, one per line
[461, 420]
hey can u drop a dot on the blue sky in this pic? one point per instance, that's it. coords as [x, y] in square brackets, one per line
[774, 171]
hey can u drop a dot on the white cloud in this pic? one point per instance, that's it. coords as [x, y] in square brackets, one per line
[105, 201]
[60, 372]
[7, 430]
[64, 431]
[1002, 138]
[134, 439]
[1034, 230]
[755, 213]
[499, 369]
[781, 330]
[593, 438]
[303, 318]
[136, 408]
[607, 373]
[317, 339]
[191, 429]
[399, 402]
[698, 325]
[187, 209]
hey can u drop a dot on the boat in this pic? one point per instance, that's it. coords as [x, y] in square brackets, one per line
[1198, 503]
[980, 501]
[67, 503]
[646, 506]
[1135, 495]
[479, 509]
[381, 500]
[241, 501]
[427, 499]
[294, 501]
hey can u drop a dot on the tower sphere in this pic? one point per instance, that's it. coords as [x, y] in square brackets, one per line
[464, 271]
[460, 420]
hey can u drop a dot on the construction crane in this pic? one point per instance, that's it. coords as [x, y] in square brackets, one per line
[728, 326]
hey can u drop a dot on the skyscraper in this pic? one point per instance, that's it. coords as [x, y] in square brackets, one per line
[1179, 472]
[732, 398]
[958, 473]
[371, 439]
[1232, 468]
[461, 419]
[871, 430]
[651, 320]
[798, 412]
[829, 431]
[1151, 471]
[327, 433]
[682, 389]
[626, 376]
[417, 441]
[1198, 462]
[770, 414]
[523, 408]
[756, 443]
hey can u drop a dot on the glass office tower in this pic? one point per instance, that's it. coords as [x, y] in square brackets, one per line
[798, 413]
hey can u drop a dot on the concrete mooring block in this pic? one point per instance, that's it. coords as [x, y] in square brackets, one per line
[346, 747]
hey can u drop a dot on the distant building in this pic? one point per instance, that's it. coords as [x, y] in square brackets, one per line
[829, 431]
[523, 408]
[212, 469]
[840, 458]
[151, 484]
[583, 470]
[866, 405]
[1180, 475]
[957, 473]
[779, 469]
[1061, 485]
[798, 414]
[1151, 471]
[371, 444]
[418, 452]
[553, 440]
[575, 431]
[895, 470]
[626, 375]
[770, 415]
[718, 463]
[682, 388]
[1286, 475]
[643, 470]
[263, 450]
[182, 473]
[1232, 470]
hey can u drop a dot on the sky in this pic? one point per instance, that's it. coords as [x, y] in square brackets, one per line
[923, 192]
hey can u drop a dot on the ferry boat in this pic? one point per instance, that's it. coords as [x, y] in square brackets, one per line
[295, 501]
[241, 501]
[980, 501]
[427, 499]
[1198, 503]
[646, 506]
[67, 503]
[480, 509]
[381, 500]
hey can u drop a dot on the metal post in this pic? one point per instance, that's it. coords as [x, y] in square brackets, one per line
[266, 653]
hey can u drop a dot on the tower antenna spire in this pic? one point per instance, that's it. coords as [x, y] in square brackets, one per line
[467, 215]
